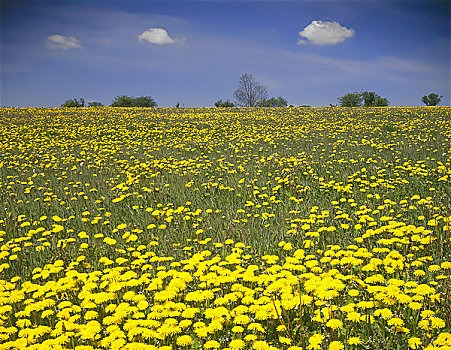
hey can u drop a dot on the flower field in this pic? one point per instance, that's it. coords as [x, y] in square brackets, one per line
[288, 228]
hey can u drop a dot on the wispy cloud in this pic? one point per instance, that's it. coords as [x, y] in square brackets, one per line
[325, 33]
[159, 36]
[61, 42]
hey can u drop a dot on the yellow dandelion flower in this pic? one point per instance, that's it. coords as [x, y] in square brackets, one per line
[415, 305]
[237, 344]
[251, 337]
[212, 344]
[334, 323]
[396, 321]
[256, 327]
[353, 292]
[185, 323]
[353, 317]
[315, 341]
[437, 322]
[285, 340]
[336, 345]
[260, 345]
[237, 329]
[414, 343]
[184, 340]
[354, 341]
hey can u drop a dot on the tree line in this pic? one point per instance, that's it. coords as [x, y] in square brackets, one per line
[251, 93]
[365, 98]
[371, 99]
[119, 101]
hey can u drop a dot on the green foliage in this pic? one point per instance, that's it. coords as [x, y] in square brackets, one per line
[74, 103]
[432, 99]
[351, 99]
[365, 98]
[273, 102]
[381, 102]
[371, 99]
[222, 103]
[128, 101]
[122, 101]
[95, 104]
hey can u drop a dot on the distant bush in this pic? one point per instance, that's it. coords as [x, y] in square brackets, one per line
[365, 98]
[95, 104]
[74, 103]
[128, 101]
[431, 99]
[273, 102]
[222, 103]
[351, 99]
[371, 99]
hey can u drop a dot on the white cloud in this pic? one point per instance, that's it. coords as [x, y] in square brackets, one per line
[61, 42]
[325, 33]
[159, 36]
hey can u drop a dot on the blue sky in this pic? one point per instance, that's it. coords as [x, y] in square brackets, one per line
[195, 52]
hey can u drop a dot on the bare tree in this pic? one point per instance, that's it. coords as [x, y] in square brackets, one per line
[249, 91]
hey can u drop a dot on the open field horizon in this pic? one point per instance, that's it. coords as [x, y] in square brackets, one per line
[227, 228]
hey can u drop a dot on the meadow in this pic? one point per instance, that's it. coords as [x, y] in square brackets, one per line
[226, 228]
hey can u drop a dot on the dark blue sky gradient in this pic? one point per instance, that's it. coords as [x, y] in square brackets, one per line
[401, 50]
